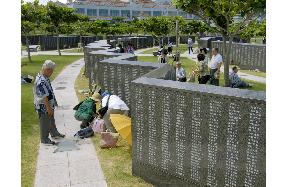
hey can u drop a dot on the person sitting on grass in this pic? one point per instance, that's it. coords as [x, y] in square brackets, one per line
[180, 72]
[120, 49]
[235, 80]
[163, 58]
[130, 48]
[86, 110]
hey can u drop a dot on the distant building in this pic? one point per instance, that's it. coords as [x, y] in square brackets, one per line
[106, 9]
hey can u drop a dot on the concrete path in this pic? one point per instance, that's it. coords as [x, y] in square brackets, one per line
[139, 51]
[77, 168]
[242, 75]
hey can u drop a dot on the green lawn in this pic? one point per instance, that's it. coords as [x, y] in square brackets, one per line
[257, 40]
[29, 119]
[116, 163]
[259, 74]
[189, 64]
[73, 50]
[23, 47]
[182, 48]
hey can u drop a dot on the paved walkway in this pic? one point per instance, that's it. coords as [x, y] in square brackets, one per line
[77, 168]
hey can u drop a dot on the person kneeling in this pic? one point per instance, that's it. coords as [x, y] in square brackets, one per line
[114, 106]
[235, 80]
[86, 110]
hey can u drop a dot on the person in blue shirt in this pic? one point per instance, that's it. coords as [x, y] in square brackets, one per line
[45, 103]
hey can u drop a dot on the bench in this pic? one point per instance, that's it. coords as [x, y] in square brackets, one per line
[34, 48]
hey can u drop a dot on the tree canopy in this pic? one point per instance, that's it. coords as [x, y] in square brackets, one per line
[221, 15]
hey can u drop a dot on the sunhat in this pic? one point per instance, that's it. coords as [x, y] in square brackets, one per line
[96, 97]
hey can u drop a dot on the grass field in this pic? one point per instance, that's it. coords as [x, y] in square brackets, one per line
[189, 64]
[29, 119]
[257, 40]
[259, 74]
[23, 47]
[116, 163]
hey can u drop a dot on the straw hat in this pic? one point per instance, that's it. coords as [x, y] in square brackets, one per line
[178, 62]
[96, 97]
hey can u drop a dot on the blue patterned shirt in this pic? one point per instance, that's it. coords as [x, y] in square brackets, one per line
[42, 89]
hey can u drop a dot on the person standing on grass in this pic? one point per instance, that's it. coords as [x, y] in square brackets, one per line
[190, 44]
[170, 48]
[214, 66]
[45, 103]
[163, 58]
[202, 69]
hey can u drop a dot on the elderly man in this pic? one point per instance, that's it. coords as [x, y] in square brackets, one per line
[45, 102]
[235, 80]
[214, 66]
[180, 72]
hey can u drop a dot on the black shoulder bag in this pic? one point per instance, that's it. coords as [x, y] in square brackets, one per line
[103, 110]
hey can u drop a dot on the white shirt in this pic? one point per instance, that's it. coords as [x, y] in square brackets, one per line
[114, 103]
[180, 73]
[189, 42]
[215, 60]
[170, 44]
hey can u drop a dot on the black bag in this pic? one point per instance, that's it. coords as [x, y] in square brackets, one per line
[182, 79]
[78, 105]
[85, 133]
[103, 110]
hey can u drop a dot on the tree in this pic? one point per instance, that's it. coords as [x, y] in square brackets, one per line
[249, 32]
[194, 27]
[98, 26]
[255, 29]
[59, 16]
[220, 16]
[159, 26]
[117, 19]
[82, 26]
[31, 16]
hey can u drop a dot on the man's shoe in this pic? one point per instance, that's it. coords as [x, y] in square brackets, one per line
[50, 143]
[58, 136]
